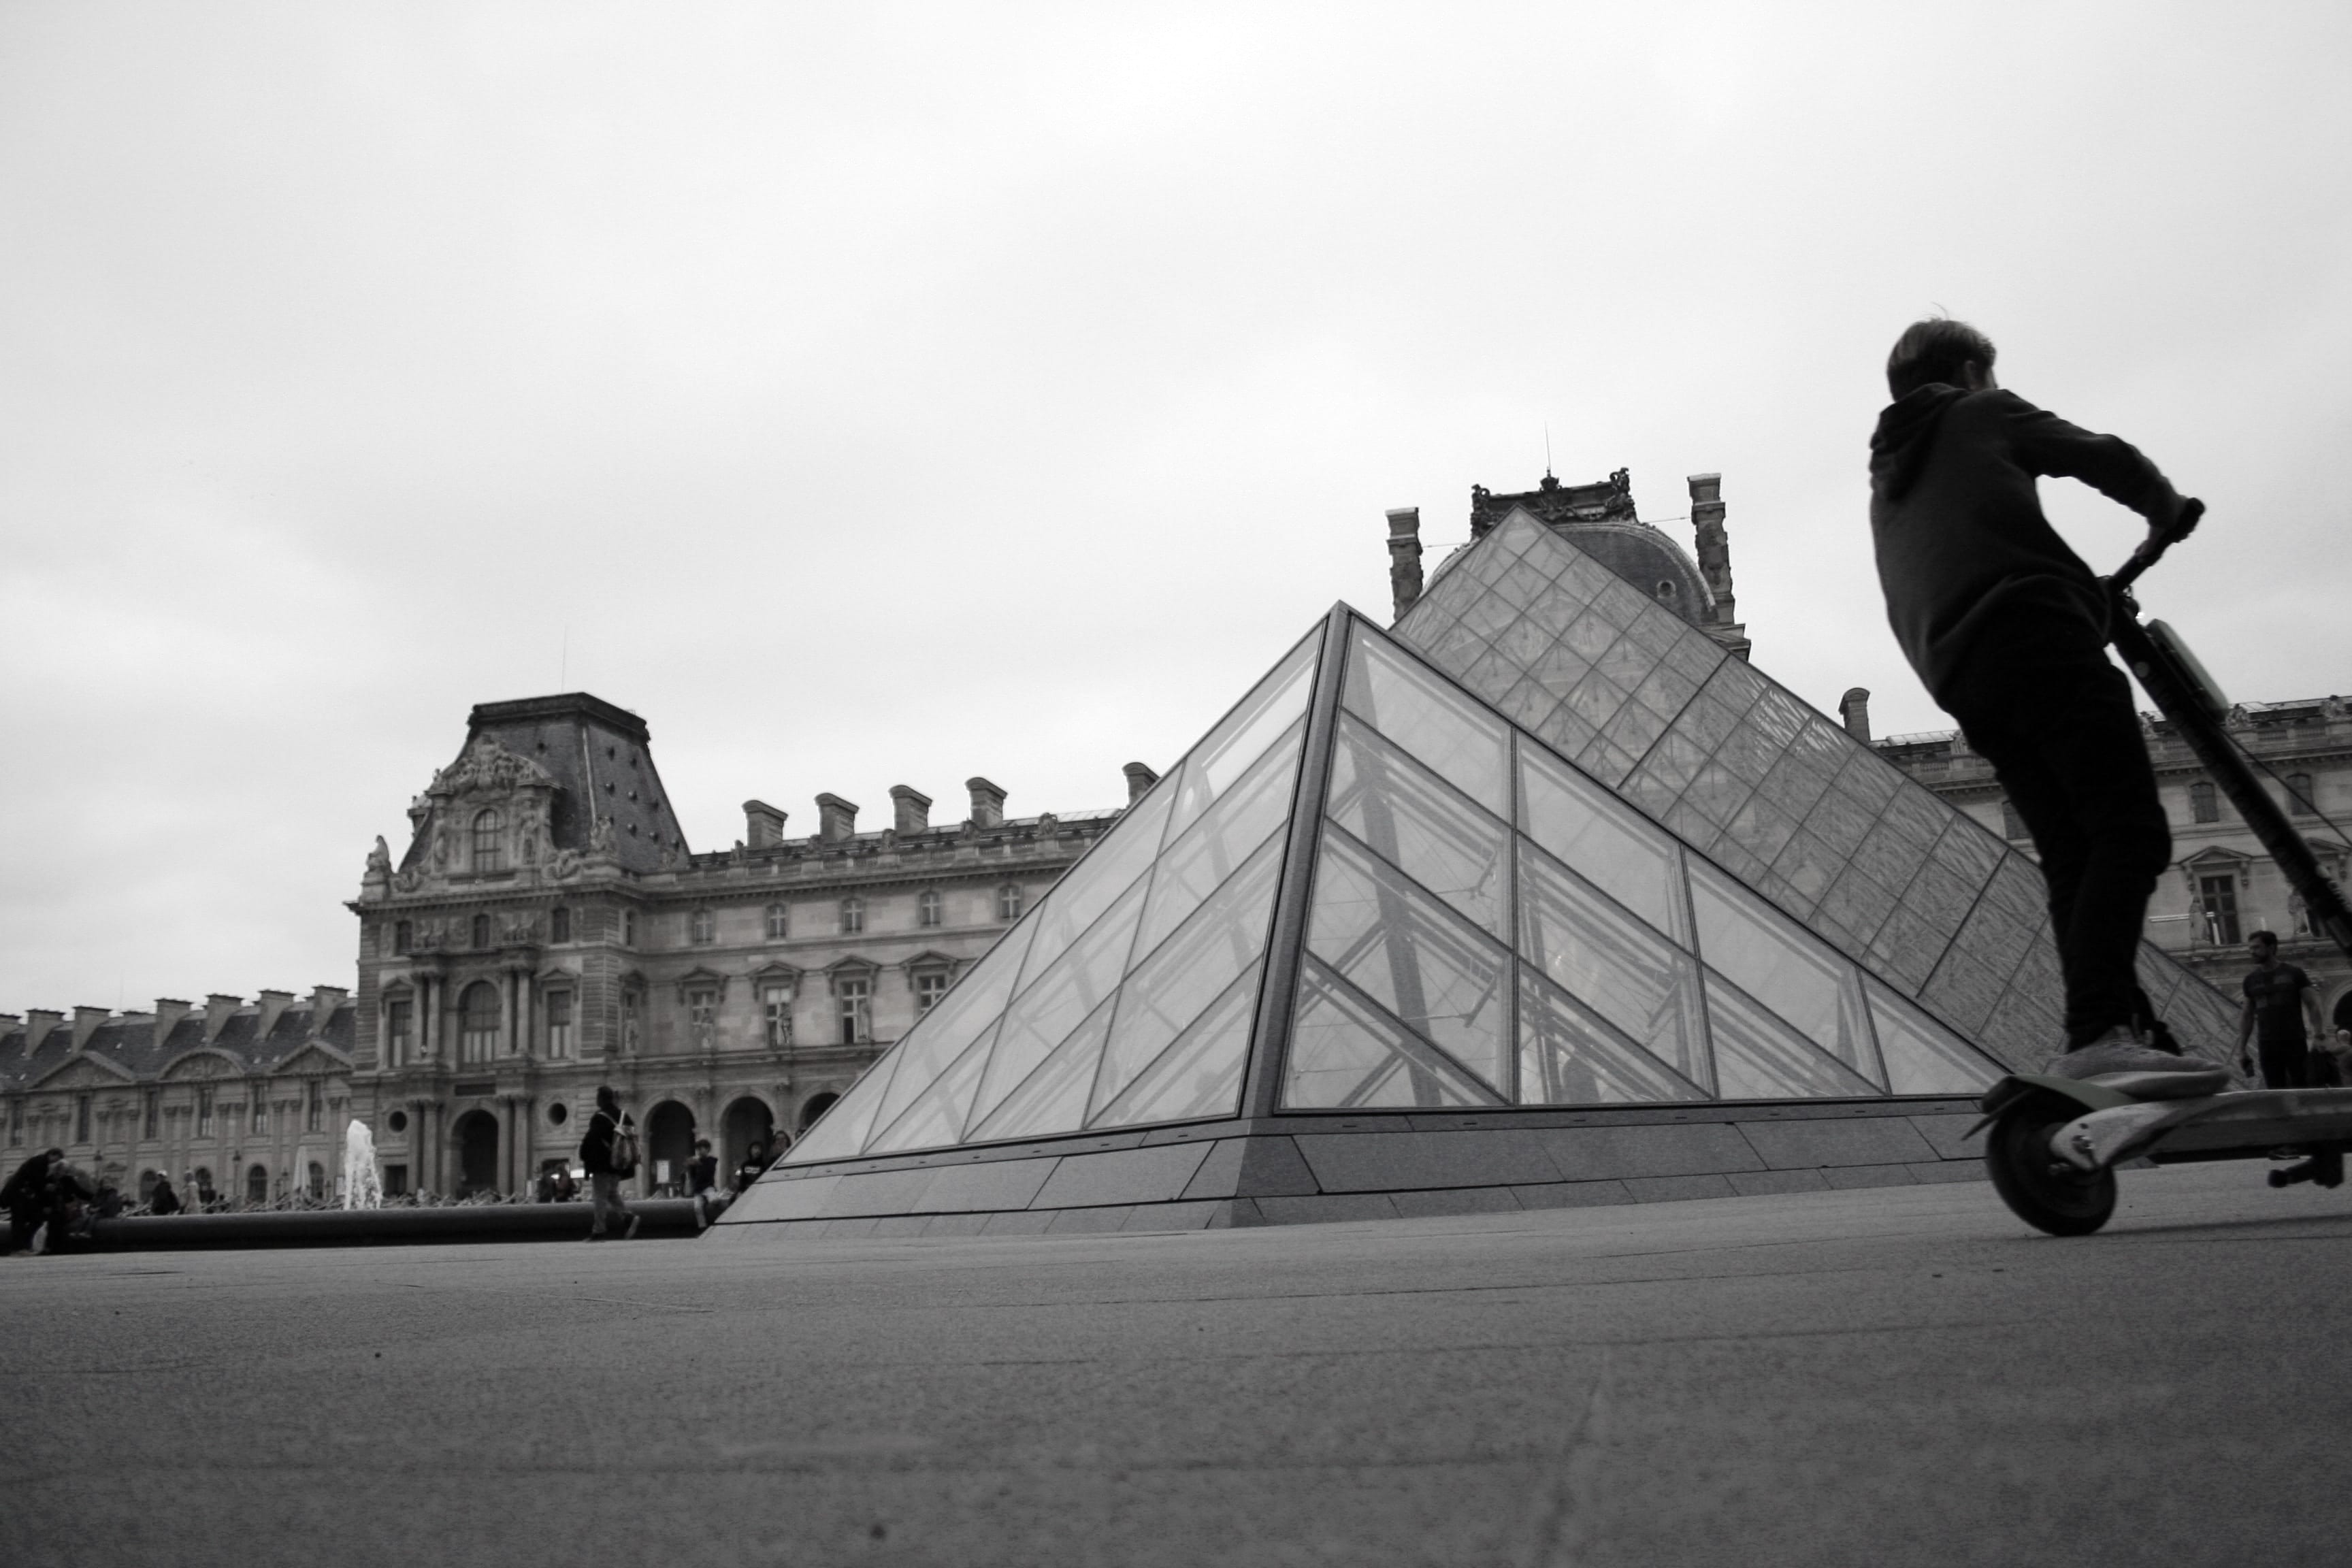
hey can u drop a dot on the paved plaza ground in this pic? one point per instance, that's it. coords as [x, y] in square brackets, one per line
[1898, 1375]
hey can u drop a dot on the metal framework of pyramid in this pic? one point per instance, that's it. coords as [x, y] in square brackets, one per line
[1544, 845]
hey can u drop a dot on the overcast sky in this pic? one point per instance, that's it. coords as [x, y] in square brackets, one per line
[871, 394]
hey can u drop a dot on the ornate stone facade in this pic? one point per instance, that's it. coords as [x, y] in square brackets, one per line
[2221, 887]
[246, 1098]
[548, 929]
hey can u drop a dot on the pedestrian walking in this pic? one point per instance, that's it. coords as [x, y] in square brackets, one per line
[2279, 1002]
[608, 1151]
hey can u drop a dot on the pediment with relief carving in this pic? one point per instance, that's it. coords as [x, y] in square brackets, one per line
[86, 1072]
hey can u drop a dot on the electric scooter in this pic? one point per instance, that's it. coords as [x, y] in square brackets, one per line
[2055, 1141]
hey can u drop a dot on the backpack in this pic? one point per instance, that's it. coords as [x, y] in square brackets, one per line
[624, 1150]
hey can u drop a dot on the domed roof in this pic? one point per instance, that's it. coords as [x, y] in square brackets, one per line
[1599, 518]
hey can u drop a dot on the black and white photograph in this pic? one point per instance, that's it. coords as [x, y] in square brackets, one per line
[1545, 786]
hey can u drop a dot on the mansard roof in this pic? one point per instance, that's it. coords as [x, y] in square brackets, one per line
[134, 1049]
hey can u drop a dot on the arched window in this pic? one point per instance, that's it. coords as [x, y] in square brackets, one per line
[478, 1039]
[2204, 805]
[481, 932]
[1008, 902]
[489, 850]
[559, 924]
[779, 923]
[2298, 796]
[256, 1186]
[853, 916]
[927, 907]
[702, 926]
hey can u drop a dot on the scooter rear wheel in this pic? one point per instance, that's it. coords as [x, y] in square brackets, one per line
[2037, 1187]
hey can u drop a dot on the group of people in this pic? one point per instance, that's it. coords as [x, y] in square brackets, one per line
[45, 1197]
[609, 1154]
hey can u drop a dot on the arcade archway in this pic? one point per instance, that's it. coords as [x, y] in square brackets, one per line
[743, 1123]
[477, 1134]
[669, 1144]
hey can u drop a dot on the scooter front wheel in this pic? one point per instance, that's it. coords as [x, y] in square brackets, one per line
[2039, 1188]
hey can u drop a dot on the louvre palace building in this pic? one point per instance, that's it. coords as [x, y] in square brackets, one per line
[546, 927]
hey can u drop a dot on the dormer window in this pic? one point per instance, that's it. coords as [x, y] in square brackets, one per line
[489, 849]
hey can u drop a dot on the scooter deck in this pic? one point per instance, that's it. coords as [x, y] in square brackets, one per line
[2238, 1125]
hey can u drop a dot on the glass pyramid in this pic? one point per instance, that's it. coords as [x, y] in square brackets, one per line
[1545, 844]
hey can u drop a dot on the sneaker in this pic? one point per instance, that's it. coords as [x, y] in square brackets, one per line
[2118, 1051]
[631, 1233]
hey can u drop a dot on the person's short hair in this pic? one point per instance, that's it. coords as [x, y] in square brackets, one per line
[606, 1098]
[53, 1153]
[2268, 938]
[702, 1143]
[1933, 351]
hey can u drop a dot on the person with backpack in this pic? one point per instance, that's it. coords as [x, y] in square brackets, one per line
[609, 1154]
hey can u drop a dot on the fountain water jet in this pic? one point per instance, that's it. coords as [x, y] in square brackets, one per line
[362, 1190]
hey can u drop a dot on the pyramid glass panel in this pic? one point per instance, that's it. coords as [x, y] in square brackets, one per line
[1614, 964]
[1773, 960]
[1569, 1055]
[1081, 980]
[1604, 841]
[1018, 1046]
[1177, 982]
[1419, 824]
[1401, 946]
[1759, 1057]
[1201, 1074]
[1053, 1098]
[1429, 719]
[1347, 1054]
[1922, 1056]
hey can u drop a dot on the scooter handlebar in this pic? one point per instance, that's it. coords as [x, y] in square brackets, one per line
[2152, 549]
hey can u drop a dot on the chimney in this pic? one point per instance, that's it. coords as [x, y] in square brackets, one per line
[763, 825]
[38, 1022]
[837, 819]
[910, 809]
[1854, 713]
[325, 1001]
[218, 1011]
[1715, 560]
[987, 803]
[85, 1023]
[169, 1011]
[1139, 779]
[273, 1008]
[1404, 557]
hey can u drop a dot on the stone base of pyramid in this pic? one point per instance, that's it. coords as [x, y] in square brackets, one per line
[1294, 1170]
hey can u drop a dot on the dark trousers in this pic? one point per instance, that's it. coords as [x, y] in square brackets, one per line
[2038, 698]
[2292, 1064]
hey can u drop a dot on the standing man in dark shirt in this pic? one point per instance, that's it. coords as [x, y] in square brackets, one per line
[2279, 998]
[2008, 629]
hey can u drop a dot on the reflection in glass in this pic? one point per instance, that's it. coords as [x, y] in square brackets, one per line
[1201, 1074]
[1602, 839]
[1757, 1057]
[941, 1035]
[1611, 963]
[1176, 984]
[1569, 1056]
[937, 1115]
[1412, 955]
[1108, 870]
[1787, 970]
[1416, 821]
[1922, 1056]
[1076, 983]
[1207, 853]
[1421, 713]
[1346, 1054]
[1053, 1098]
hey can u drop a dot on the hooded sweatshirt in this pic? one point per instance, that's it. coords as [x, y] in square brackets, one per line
[1957, 525]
